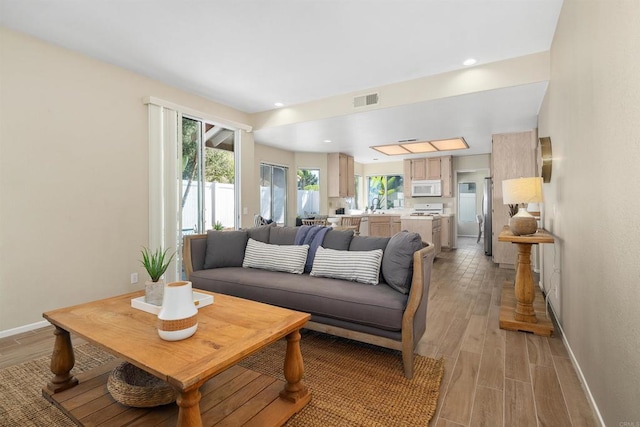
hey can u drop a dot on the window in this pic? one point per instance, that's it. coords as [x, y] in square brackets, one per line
[385, 191]
[467, 202]
[273, 193]
[308, 192]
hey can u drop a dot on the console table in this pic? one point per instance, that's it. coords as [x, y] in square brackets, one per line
[517, 310]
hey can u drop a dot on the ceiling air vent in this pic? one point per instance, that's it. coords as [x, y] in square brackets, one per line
[366, 100]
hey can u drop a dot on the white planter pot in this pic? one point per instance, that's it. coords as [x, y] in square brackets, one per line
[178, 317]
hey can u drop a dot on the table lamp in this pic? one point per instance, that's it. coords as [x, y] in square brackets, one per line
[518, 192]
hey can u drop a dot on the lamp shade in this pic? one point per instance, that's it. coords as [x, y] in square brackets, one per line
[522, 190]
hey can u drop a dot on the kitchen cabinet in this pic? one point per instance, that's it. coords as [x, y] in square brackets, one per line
[395, 225]
[429, 168]
[445, 235]
[379, 226]
[424, 168]
[433, 168]
[418, 169]
[406, 169]
[382, 225]
[429, 230]
[340, 175]
[446, 175]
[513, 155]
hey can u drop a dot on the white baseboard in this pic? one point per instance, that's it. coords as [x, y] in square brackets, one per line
[581, 377]
[22, 329]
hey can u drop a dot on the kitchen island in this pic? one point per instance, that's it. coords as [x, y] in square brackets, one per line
[378, 225]
[429, 227]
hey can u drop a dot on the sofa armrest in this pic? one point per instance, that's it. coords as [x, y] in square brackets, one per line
[414, 320]
[193, 253]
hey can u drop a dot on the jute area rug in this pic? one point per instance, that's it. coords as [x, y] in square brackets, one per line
[352, 384]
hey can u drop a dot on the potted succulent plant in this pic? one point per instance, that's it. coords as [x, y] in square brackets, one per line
[156, 263]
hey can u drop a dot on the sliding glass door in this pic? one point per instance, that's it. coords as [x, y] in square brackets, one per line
[208, 191]
[273, 193]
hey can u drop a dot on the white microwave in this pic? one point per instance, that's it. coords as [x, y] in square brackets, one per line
[427, 188]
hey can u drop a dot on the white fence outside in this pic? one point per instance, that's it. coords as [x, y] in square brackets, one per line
[308, 202]
[218, 205]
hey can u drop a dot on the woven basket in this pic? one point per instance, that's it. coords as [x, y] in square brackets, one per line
[134, 387]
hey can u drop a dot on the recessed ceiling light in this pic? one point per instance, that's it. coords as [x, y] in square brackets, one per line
[327, 141]
[279, 104]
[469, 61]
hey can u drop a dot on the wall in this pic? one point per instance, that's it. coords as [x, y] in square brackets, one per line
[591, 113]
[73, 176]
[293, 161]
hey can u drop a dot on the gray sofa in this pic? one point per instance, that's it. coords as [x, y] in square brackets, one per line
[392, 316]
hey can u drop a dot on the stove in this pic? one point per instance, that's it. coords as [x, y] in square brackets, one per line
[423, 209]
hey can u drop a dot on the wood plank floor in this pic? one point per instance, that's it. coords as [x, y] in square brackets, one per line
[492, 377]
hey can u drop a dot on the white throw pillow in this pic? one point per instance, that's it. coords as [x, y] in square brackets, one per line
[287, 258]
[355, 266]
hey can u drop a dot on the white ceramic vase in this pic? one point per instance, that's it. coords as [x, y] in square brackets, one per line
[178, 317]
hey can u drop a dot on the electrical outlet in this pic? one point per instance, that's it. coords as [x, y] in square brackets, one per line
[134, 278]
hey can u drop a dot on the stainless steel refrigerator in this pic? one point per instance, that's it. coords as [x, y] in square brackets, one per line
[486, 215]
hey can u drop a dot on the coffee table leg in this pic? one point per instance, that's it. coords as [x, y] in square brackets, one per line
[189, 412]
[62, 361]
[294, 389]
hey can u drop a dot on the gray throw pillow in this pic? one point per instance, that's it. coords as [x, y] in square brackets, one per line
[225, 248]
[282, 235]
[366, 243]
[261, 234]
[337, 239]
[397, 262]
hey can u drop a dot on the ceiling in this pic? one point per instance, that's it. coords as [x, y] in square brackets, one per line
[249, 54]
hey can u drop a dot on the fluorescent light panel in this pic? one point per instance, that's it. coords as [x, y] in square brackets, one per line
[391, 150]
[423, 147]
[419, 147]
[450, 144]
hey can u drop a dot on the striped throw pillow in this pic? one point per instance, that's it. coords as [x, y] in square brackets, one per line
[287, 258]
[355, 266]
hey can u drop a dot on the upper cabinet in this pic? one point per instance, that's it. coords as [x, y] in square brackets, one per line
[433, 168]
[429, 168]
[341, 177]
[446, 175]
[418, 169]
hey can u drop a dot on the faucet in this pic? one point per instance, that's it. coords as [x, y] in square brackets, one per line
[375, 205]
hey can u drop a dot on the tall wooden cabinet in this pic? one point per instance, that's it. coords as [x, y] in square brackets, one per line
[340, 179]
[513, 155]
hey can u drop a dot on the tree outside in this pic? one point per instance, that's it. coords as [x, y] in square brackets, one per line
[308, 179]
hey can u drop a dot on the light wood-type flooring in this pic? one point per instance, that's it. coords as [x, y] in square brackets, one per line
[492, 377]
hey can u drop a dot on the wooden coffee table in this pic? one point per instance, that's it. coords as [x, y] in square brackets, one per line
[201, 368]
